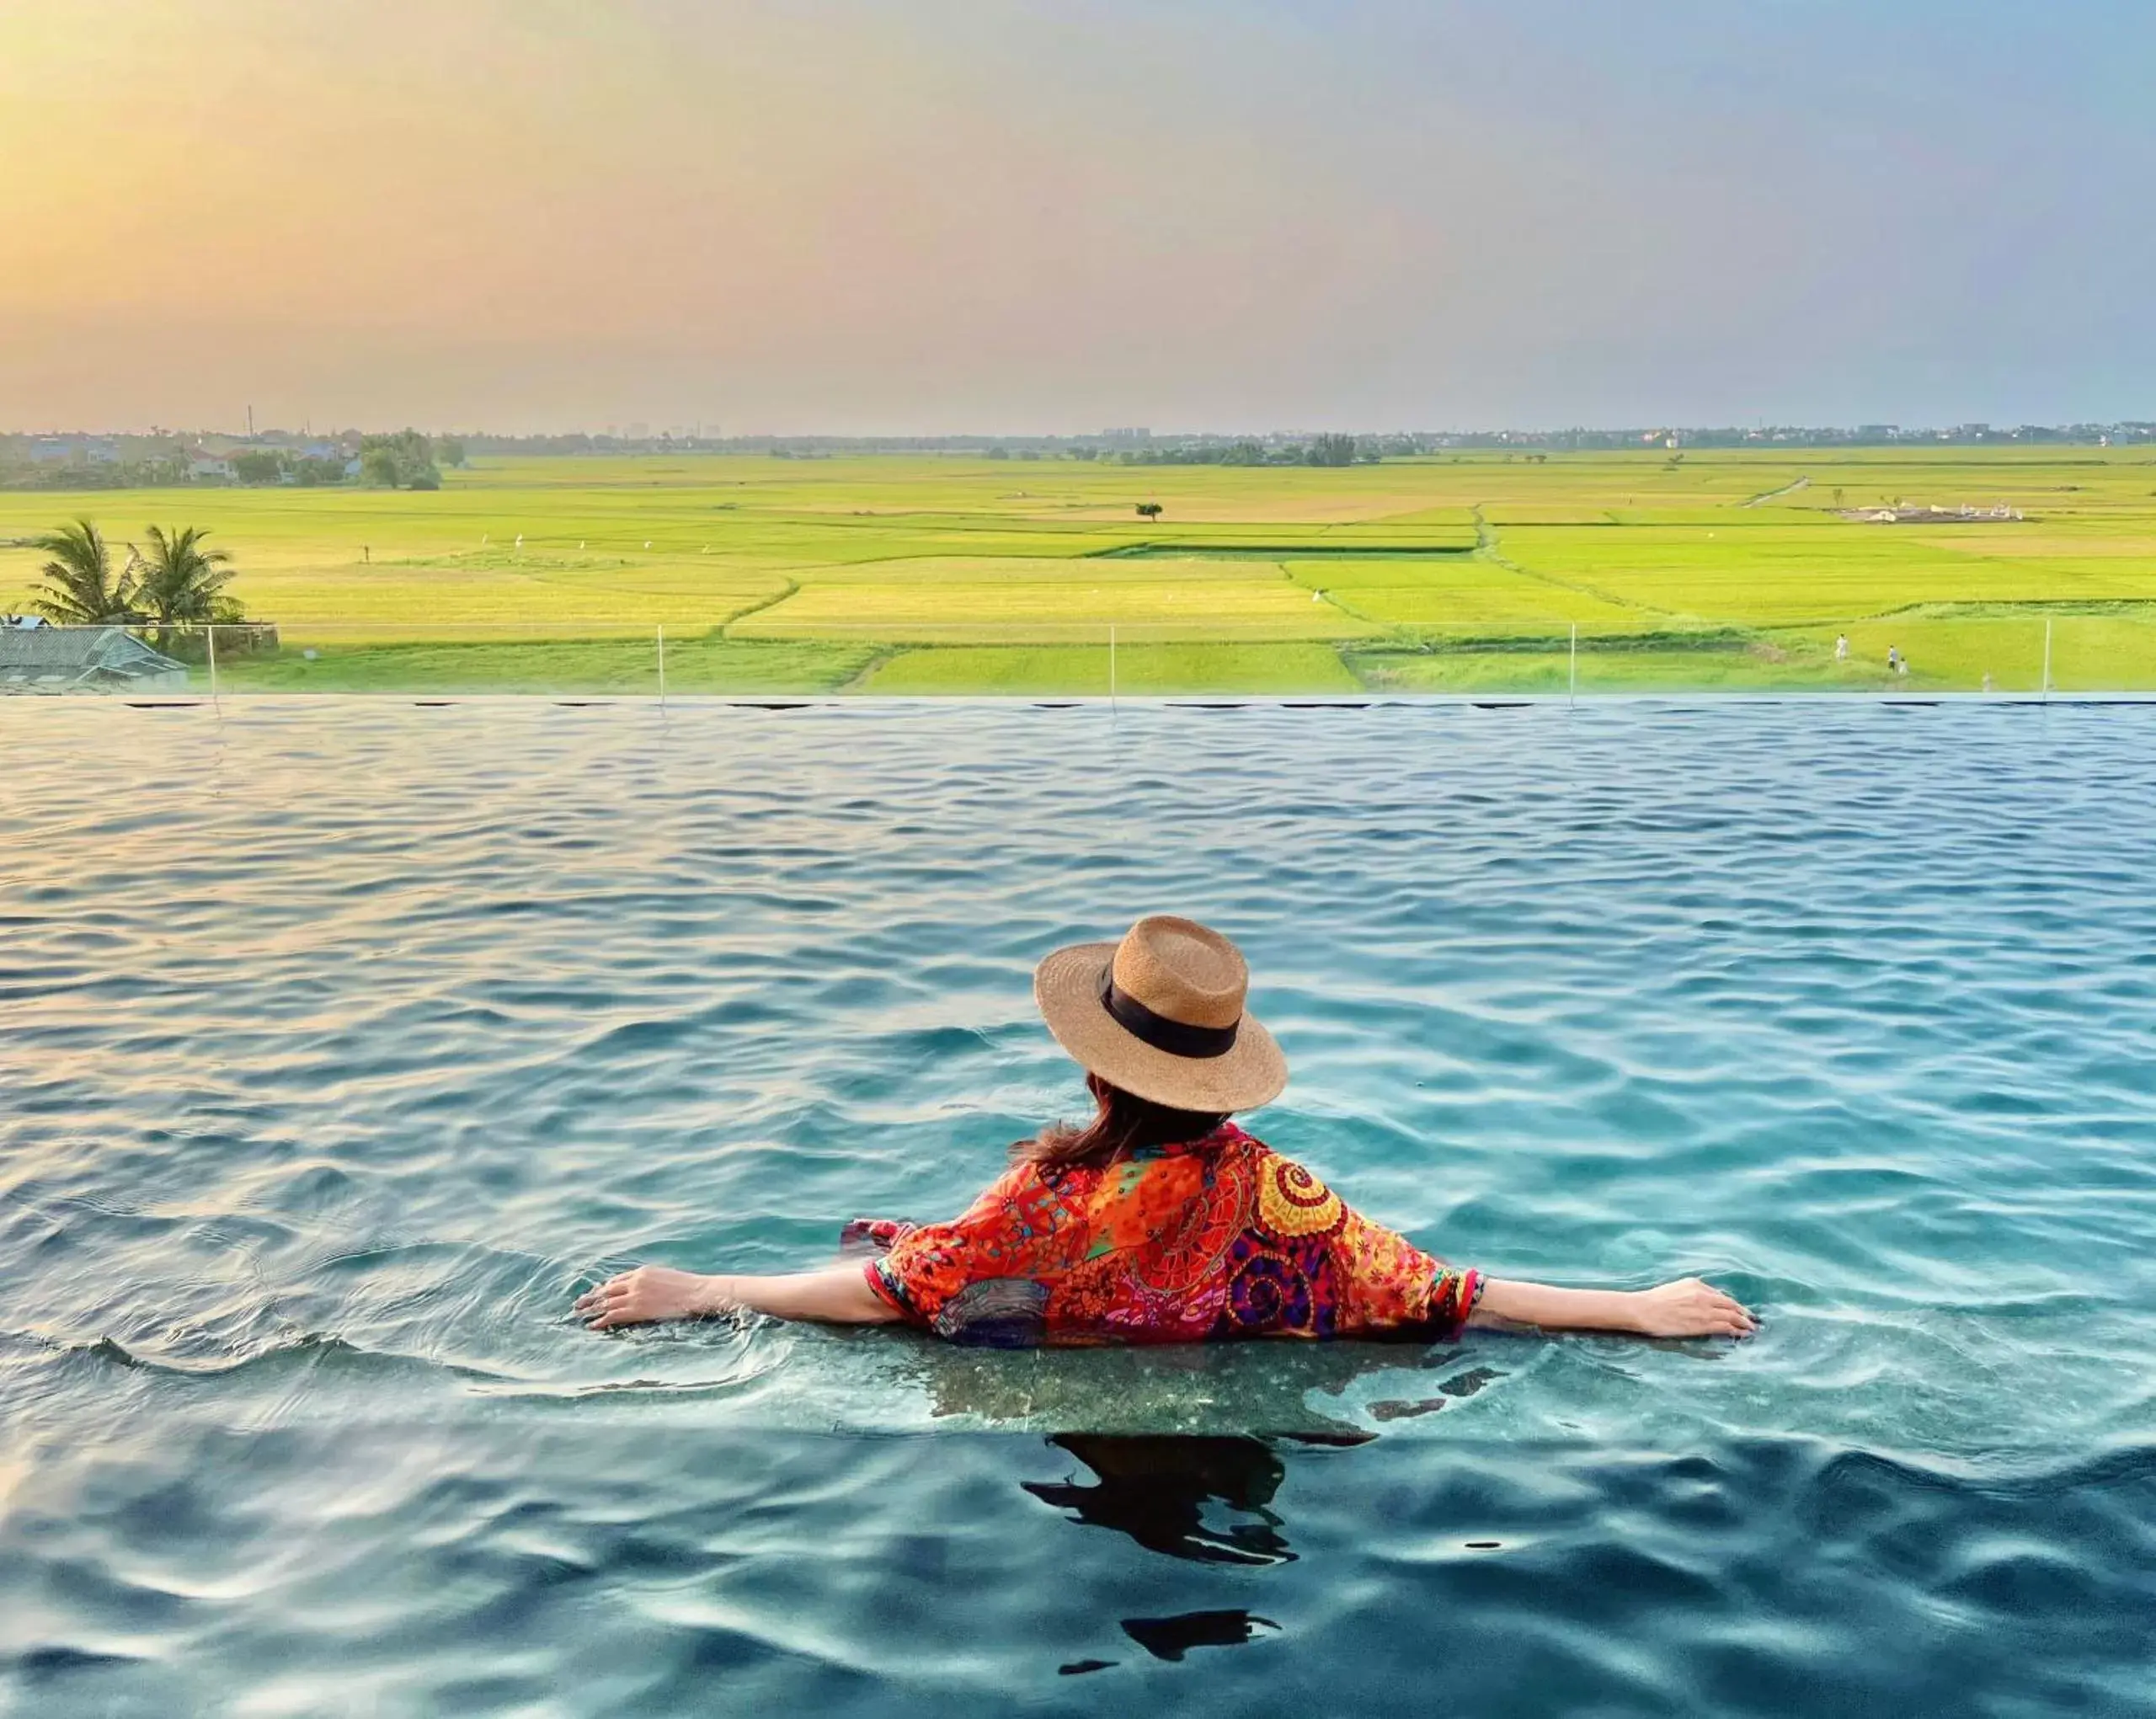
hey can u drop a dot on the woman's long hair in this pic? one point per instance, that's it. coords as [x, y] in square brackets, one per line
[1123, 1124]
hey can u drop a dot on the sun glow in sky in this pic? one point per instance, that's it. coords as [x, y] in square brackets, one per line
[1052, 215]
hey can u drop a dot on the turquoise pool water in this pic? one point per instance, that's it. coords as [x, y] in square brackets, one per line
[338, 1045]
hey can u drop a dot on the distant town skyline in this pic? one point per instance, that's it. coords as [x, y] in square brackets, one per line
[858, 217]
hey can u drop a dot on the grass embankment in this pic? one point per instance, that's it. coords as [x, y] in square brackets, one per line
[606, 666]
[1139, 669]
[964, 575]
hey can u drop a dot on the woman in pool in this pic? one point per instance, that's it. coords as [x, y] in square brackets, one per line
[1161, 1220]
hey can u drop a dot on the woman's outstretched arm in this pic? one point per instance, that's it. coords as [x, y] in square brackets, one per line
[1687, 1308]
[838, 1294]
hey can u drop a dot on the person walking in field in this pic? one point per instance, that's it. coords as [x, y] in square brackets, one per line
[1160, 1220]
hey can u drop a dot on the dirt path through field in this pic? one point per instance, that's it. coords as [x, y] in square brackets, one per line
[1788, 488]
[1486, 549]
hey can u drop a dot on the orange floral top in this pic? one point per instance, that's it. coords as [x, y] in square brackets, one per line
[1221, 1237]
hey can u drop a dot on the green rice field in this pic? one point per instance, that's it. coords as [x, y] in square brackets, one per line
[946, 575]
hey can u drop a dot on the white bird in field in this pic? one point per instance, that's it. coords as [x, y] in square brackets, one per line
[519, 540]
[647, 542]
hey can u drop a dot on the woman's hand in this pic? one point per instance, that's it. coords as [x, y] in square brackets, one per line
[1688, 1308]
[838, 1294]
[652, 1292]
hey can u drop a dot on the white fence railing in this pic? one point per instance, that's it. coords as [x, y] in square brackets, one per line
[2019, 653]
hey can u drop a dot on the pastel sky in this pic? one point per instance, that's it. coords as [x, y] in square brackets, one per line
[860, 216]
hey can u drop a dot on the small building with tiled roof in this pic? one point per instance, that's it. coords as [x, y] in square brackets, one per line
[83, 660]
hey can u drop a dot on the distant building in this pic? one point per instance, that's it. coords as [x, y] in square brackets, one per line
[1962, 515]
[73, 451]
[1133, 435]
[202, 463]
[83, 660]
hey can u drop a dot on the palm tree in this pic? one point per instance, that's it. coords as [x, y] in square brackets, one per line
[78, 588]
[182, 581]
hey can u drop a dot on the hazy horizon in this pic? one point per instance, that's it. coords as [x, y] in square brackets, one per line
[843, 217]
[709, 437]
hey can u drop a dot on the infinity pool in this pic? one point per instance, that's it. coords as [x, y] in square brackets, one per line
[339, 1044]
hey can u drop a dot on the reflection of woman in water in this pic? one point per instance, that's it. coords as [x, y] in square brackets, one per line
[1161, 1220]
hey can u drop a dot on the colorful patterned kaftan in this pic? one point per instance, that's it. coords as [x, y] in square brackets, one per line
[1222, 1237]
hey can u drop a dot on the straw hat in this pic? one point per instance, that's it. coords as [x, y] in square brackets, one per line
[1161, 1016]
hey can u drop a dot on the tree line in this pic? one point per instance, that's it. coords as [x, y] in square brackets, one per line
[1318, 451]
[281, 466]
[404, 459]
[407, 460]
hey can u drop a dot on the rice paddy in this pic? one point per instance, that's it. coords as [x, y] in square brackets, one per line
[940, 574]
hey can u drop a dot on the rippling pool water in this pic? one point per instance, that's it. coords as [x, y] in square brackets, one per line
[338, 1045]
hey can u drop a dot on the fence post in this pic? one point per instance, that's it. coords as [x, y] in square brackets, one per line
[1572, 682]
[1111, 668]
[662, 665]
[2046, 692]
[210, 632]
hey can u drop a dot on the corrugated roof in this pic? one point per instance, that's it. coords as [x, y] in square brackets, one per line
[72, 650]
